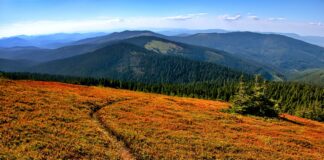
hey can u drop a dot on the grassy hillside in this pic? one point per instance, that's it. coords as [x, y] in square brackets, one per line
[303, 100]
[313, 76]
[47, 120]
[51, 121]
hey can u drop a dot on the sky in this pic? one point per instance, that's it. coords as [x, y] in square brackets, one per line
[35, 17]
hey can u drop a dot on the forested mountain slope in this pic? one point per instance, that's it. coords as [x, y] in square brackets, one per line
[277, 51]
[129, 62]
[313, 76]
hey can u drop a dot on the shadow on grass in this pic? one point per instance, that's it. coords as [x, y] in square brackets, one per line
[291, 121]
[279, 117]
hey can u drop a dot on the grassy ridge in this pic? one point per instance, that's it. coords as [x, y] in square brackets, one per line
[50, 120]
[294, 98]
[160, 127]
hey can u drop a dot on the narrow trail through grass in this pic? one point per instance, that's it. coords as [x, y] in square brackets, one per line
[125, 151]
[49, 120]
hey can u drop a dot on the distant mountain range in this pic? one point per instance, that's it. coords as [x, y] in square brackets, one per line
[313, 76]
[316, 40]
[129, 62]
[197, 53]
[117, 36]
[46, 41]
[136, 55]
[186, 32]
[14, 65]
[276, 51]
[62, 39]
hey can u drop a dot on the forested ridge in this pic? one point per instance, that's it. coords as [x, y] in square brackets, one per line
[133, 63]
[303, 100]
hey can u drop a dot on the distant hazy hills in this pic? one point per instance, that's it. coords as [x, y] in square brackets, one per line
[147, 54]
[184, 32]
[134, 54]
[315, 76]
[280, 52]
[316, 40]
[14, 65]
[42, 55]
[46, 41]
[197, 53]
[117, 36]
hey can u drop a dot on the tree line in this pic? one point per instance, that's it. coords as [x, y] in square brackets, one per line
[298, 99]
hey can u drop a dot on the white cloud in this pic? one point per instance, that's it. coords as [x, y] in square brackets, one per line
[229, 17]
[316, 23]
[254, 17]
[105, 24]
[276, 19]
[184, 17]
[48, 27]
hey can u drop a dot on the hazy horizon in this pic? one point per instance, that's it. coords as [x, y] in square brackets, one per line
[37, 17]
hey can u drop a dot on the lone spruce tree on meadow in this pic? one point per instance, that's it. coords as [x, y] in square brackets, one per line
[242, 99]
[254, 101]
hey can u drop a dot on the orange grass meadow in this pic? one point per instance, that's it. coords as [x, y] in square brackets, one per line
[49, 120]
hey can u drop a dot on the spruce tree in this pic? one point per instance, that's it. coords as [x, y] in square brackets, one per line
[261, 105]
[242, 99]
[253, 102]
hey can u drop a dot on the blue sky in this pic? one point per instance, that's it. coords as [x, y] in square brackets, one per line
[304, 17]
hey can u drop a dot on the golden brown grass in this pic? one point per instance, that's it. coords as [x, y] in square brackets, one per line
[47, 120]
[51, 121]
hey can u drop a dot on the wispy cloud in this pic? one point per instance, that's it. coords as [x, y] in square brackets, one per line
[276, 19]
[229, 17]
[51, 26]
[253, 17]
[184, 17]
[250, 22]
[316, 23]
